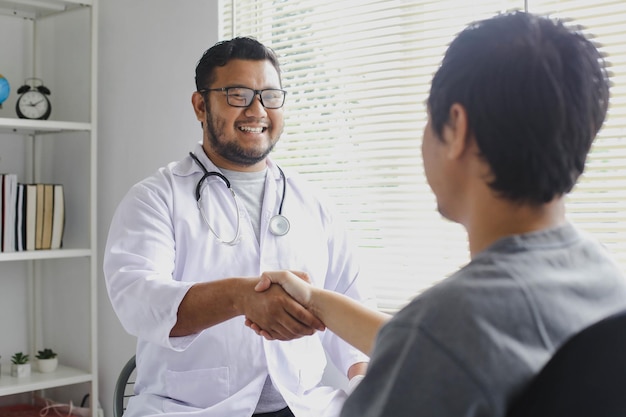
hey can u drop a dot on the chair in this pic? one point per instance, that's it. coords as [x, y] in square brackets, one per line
[124, 387]
[586, 377]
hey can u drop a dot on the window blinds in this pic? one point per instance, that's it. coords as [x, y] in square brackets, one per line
[598, 203]
[358, 74]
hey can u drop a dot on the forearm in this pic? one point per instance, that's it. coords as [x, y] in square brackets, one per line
[209, 303]
[347, 318]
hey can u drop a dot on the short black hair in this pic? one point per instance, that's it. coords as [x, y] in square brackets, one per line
[536, 93]
[224, 51]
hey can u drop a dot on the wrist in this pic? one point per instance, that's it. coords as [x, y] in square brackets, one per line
[312, 303]
[242, 291]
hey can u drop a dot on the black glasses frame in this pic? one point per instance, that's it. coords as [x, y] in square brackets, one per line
[256, 93]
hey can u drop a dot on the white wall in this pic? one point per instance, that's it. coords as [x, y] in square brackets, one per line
[148, 50]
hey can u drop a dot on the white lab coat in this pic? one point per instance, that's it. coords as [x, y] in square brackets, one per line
[158, 246]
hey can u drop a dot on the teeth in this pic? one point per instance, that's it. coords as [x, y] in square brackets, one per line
[251, 129]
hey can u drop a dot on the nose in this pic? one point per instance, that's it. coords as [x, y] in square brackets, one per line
[256, 107]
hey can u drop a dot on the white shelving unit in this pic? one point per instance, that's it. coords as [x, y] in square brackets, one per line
[48, 297]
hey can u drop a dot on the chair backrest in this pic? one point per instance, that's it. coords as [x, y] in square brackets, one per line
[124, 387]
[585, 377]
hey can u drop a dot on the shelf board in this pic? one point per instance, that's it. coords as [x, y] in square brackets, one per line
[62, 376]
[44, 254]
[35, 9]
[35, 127]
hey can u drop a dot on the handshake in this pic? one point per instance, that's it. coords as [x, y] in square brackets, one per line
[295, 283]
[347, 318]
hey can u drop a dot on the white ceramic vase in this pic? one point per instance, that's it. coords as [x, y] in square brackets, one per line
[47, 365]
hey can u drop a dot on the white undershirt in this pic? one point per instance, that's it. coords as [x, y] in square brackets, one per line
[249, 188]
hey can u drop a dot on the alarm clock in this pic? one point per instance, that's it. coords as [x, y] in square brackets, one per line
[33, 102]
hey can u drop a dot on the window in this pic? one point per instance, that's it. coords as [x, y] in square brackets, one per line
[358, 73]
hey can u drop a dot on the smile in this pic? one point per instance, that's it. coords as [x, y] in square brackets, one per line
[252, 129]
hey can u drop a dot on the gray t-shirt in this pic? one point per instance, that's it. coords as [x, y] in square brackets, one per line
[249, 187]
[468, 346]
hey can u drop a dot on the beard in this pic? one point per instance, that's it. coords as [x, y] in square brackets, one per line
[230, 149]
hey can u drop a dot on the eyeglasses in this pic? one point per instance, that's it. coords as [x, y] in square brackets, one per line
[271, 98]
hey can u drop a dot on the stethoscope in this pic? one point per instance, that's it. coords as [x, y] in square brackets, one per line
[279, 224]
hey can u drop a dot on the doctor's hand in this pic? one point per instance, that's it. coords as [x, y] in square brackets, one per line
[295, 283]
[275, 315]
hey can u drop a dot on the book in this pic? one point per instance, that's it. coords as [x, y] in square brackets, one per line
[48, 209]
[19, 219]
[9, 199]
[58, 217]
[30, 217]
[39, 216]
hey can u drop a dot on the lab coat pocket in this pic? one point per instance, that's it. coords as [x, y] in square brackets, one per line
[307, 355]
[199, 388]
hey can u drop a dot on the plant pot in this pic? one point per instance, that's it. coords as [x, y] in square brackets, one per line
[47, 365]
[20, 371]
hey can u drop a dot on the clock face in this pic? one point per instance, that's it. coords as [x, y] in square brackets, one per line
[33, 105]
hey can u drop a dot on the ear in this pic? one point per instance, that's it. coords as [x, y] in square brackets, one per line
[457, 131]
[199, 107]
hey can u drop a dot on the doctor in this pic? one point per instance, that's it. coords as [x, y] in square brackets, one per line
[186, 248]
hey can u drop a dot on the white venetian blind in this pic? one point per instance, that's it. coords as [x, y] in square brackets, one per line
[358, 74]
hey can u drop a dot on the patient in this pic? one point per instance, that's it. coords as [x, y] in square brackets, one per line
[513, 110]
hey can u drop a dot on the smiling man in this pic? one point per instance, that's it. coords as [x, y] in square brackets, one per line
[186, 248]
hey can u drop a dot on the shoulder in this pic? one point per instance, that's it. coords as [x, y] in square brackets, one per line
[461, 304]
[161, 185]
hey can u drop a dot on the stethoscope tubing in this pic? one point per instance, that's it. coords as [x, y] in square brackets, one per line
[279, 224]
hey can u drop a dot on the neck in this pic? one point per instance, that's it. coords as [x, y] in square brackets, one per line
[223, 163]
[499, 218]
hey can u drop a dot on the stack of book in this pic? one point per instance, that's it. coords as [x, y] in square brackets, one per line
[33, 215]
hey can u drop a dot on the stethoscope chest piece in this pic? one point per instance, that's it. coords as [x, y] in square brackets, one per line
[279, 225]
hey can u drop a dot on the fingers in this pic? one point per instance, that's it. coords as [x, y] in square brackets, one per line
[302, 275]
[292, 282]
[288, 327]
[288, 319]
[264, 283]
[280, 334]
[279, 277]
[276, 316]
[258, 330]
[305, 317]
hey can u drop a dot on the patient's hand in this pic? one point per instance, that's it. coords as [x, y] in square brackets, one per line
[295, 283]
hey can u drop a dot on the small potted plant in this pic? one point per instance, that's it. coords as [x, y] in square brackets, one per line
[47, 360]
[20, 367]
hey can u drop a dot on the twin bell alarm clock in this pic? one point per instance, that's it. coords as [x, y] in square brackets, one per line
[33, 102]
